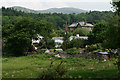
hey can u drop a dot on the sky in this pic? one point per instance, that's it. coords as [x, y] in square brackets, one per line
[101, 5]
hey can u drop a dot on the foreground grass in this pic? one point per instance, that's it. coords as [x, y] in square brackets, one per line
[32, 66]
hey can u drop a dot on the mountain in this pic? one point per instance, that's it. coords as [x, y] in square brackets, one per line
[65, 10]
[26, 10]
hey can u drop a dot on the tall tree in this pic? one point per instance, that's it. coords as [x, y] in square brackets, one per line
[19, 36]
[113, 32]
[116, 6]
[97, 34]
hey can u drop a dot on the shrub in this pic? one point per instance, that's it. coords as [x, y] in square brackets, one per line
[98, 50]
[17, 44]
[51, 50]
[99, 46]
[95, 48]
[40, 51]
[47, 43]
[72, 51]
[57, 51]
[81, 31]
[54, 72]
[3, 47]
[74, 48]
[91, 47]
[78, 43]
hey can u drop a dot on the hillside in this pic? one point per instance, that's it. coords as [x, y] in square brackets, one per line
[65, 10]
[26, 10]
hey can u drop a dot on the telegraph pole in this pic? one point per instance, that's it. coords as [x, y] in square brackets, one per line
[66, 27]
[66, 36]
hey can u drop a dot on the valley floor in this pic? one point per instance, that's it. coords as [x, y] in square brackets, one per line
[37, 66]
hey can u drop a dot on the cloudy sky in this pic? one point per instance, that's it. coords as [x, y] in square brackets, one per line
[101, 5]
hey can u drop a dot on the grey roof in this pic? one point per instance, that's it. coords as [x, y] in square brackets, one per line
[81, 24]
[103, 52]
[88, 24]
[83, 37]
[57, 38]
[80, 37]
[85, 24]
[73, 25]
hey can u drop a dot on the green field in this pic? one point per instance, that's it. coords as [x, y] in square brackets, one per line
[35, 66]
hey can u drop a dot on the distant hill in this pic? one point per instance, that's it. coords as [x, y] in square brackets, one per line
[26, 10]
[65, 10]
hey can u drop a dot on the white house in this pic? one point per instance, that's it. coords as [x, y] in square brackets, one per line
[78, 37]
[37, 40]
[58, 41]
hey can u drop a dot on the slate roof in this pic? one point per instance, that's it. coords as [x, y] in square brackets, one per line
[90, 25]
[103, 52]
[73, 25]
[80, 37]
[81, 24]
[57, 38]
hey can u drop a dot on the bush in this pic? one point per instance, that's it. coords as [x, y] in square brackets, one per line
[98, 50]
[47, 43]
[54, 72]
[99, 46]
[40, 51]
[3, 47]
[78, 43]
[17, 44]
[51, 50]
[92, 47]
[81, 31]
[95, 48]
[72, 51]
[57, 51]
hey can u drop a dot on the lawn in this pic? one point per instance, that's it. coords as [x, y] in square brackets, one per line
[37, 66]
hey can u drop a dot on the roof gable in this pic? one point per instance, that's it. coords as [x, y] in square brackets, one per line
[81, 24]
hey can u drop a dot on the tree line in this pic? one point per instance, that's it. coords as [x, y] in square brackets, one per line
[58, 19]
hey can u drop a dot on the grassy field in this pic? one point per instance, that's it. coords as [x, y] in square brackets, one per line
[36, 66]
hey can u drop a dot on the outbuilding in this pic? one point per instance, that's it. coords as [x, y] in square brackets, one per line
[104, 56]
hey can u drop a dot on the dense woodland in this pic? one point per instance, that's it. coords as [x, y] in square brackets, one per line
[58, 19]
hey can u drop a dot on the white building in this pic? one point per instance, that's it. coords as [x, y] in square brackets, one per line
[37, 40]
[58, 41]
[78, 37]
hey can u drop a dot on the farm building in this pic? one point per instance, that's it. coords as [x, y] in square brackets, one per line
[104, 56]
